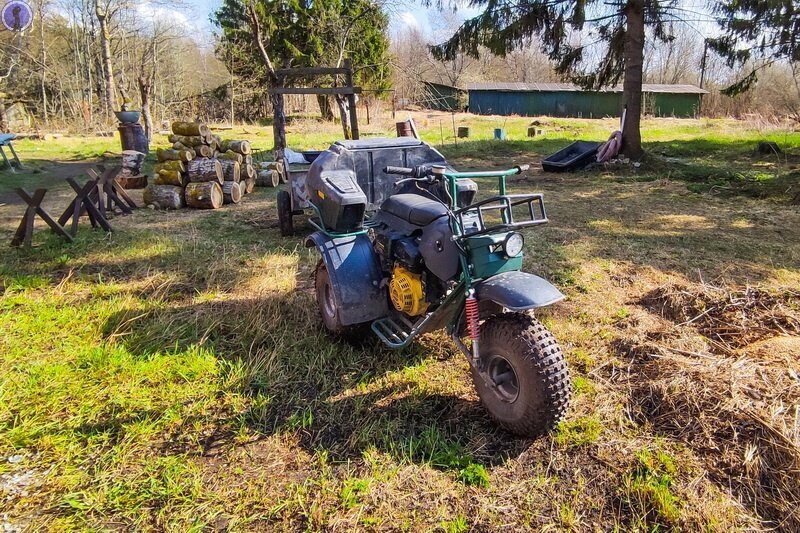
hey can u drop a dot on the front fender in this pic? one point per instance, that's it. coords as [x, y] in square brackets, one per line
[518, 291]
[355, 277]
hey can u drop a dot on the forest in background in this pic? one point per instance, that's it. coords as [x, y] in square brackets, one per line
[83, 59]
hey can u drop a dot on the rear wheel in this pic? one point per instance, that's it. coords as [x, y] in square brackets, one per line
[328, 309]
[529, 386]
[284, 202]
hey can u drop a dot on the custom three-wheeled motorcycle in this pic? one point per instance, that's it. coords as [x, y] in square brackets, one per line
[430, 257]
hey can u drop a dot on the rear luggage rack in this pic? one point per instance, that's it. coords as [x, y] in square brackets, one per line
[531, 206]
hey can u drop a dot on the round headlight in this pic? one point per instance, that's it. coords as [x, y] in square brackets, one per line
[513, 245]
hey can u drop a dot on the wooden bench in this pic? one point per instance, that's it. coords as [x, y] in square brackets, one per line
[5, 140]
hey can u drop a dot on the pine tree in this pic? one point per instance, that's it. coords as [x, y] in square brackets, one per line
[764, 31]
[617, 27]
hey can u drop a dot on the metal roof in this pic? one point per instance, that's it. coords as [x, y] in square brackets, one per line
[570, 87]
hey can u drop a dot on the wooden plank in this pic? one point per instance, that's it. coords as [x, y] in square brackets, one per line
[316, 90]
[310, 71]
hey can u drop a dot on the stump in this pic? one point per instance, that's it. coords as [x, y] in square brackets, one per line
[132, 137]
[132, 182]
[231, 192]
[163, 196]
[205, 195]
[190, 128]
[249, 172]
[169, 177]
[463, 132]
[532, 131]
[200, 170]
[231, 170]
[132, 162]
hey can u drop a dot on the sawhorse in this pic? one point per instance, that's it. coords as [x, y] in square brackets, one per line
[24, 232]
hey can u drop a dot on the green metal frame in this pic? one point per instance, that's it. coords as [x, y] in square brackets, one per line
[383, 328]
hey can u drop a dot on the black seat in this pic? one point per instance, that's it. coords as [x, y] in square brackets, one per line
[414, 208]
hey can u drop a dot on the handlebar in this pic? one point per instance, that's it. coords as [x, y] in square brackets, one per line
[400, 171]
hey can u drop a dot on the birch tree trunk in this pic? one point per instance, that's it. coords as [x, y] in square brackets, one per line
[146, 92]
[43, 60]
[105, 44]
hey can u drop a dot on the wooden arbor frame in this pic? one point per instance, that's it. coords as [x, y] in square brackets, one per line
[348, 89]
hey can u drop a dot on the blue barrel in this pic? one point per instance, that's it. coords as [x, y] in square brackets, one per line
[500, 134]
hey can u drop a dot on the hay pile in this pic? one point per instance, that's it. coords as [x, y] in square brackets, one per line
[719, 370]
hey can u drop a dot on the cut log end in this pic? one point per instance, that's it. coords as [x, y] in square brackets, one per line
[231, 192]
[205, 195]
[163, 196]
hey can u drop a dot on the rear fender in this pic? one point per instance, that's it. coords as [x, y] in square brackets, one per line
[518, 291]
[355, 277]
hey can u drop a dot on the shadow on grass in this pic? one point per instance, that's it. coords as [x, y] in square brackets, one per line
[335, 396]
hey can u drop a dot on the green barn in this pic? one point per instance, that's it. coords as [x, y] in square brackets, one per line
[443, 97]
[568, 100]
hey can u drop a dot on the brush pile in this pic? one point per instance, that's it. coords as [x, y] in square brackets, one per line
[201, 170]
[730, 318]
[719, 369]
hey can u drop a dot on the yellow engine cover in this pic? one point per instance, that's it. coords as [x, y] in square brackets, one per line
[406, 292]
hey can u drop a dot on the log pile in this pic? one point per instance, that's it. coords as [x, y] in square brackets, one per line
[208, 170]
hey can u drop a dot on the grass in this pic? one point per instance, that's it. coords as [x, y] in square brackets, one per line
[174, 376]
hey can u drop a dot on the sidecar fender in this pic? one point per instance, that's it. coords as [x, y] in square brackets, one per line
[355, 277]
[518, 291]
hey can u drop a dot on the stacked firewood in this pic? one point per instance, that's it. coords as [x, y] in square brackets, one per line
[201, 170]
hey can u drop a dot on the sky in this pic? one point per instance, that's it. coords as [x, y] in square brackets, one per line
[407, 14]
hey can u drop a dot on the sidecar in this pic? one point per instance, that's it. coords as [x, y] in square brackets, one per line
[366, 159]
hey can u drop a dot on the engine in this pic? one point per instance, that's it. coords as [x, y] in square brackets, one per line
[402, 259]
[407, 292]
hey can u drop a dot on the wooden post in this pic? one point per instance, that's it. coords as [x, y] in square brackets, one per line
[279, 120]
[351, 99]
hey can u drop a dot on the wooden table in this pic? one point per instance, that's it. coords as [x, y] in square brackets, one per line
[5, 140]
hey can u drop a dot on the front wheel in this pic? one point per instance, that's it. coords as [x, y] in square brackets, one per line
[525, 384]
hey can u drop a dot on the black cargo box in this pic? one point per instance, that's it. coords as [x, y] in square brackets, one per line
[339, 199]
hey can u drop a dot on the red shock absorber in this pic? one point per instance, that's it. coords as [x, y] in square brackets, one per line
[473, 316]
